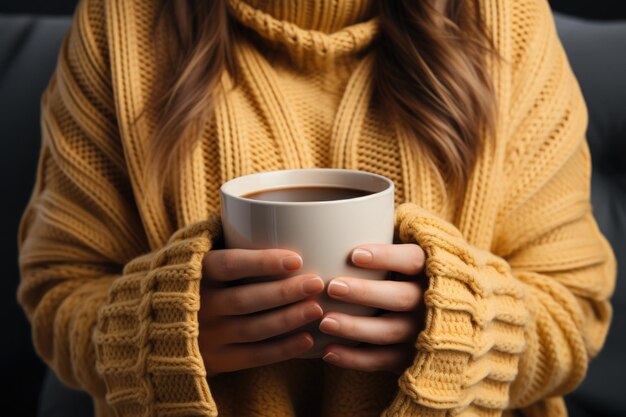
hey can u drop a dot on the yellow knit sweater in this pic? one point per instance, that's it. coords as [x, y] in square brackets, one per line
[520, 276]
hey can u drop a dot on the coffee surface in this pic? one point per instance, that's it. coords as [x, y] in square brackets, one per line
[307, 194]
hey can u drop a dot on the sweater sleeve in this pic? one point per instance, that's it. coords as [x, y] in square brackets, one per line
[109, 314]
[519, 323]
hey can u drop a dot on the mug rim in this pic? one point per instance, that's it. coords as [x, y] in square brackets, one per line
[225, 187]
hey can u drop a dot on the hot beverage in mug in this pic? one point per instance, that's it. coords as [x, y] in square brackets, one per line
[319, 213]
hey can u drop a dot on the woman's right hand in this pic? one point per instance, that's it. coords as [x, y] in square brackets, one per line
[233, 325]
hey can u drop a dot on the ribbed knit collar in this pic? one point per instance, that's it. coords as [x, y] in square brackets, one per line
[320, 29]
[326, 16]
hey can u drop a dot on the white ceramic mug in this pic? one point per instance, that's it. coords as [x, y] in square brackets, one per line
[323, 233]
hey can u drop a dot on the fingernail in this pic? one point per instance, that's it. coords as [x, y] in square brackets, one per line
[312, 285]
[362, 256]
[313, 311]
[291, 263]
[330, 325]
[305, 341]
[331, 357]
[338, 288]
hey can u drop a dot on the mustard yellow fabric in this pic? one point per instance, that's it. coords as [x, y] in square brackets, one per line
[519, 274]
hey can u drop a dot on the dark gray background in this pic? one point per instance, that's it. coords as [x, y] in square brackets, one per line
[596, 9]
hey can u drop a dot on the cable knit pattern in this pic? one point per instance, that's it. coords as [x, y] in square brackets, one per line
[474, 333]
[151, 312]
[519, 275]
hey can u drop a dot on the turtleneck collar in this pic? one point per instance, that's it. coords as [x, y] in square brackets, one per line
[318, 29]
[326, 16]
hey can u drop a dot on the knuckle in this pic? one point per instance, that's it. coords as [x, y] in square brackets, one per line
[382, 252]
[286, 349]
[263, 356]
[391, 335]
[362, 289]
[414, 266]
[380, 363]
[247, 333]
[228, 263]
[265, 263]
[290, 348]
[386, 250]
[284, 292]
[238, 301]
[289, 319]
[405, 302]
[418, 259]
[385, 337]
[215, 332]
[350, 327]
[357, 363]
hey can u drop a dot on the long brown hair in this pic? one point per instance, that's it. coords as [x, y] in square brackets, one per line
[430, 76]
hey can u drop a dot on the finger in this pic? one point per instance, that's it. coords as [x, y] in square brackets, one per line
[251, 298]
[387, 329]
[232, 264]
[248, 355]
[248, 329]
[371, 358]
[385, 294]
[406, 258]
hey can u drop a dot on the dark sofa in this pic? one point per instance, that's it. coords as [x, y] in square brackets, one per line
[597, 54]
[28, 51]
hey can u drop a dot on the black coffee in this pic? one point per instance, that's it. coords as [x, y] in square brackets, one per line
[304, 194]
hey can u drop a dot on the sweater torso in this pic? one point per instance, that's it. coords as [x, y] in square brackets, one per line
[305, 100]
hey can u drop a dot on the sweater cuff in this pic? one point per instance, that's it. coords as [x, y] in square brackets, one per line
[146, 336]
[468, 353]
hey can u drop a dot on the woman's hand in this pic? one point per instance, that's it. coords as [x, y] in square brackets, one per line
[232, 324]
[389, 337]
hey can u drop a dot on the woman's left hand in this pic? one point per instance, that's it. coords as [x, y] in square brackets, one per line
[389, 337]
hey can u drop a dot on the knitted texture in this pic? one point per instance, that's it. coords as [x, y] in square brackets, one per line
[519, 275]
